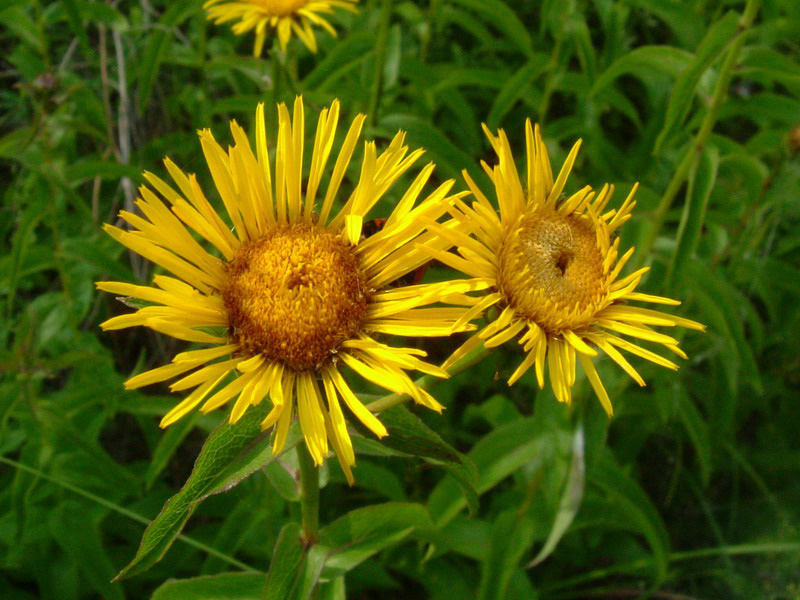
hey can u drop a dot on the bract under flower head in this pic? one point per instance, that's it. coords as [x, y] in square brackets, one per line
[551, 266]
[292, 292]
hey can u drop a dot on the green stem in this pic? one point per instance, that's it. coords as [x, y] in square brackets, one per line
[701, 139]
[309, 495]
[427, 381]
[380, 58]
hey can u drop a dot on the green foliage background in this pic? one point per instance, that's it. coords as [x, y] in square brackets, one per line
[692, 488]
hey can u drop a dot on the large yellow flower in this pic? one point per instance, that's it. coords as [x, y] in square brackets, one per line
[551, 266]
[283, 16]
[290, 295]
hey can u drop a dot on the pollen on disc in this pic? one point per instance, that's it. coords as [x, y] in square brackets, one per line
[552, 270]
[294, 295]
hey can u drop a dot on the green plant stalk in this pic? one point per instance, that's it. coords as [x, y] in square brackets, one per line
[309, 495]
[380, 59]
[694, 151]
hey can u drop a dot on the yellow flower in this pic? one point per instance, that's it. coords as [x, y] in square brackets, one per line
[552, 268]
[284, 16]
[289, 295]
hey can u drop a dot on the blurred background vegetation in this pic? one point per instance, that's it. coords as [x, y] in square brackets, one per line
[690, 491]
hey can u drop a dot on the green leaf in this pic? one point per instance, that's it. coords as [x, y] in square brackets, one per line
[227, 586]
[763, 106]
[19, 23]
[466, 20]
[644, 61]
[514, 88]
[226, 458]
[256, 456]
[76, 24]
[549, 471]
[342, 58]
[22, 245]
[685, 24]
[285, 569]
[496, 456]
[99, 251]
[759, 60]
[409, 435]
[82, 171]
[512, 535]
[283, 481]
[724, 305]
[701, 183]
[13, 144]
[458, 77]
[466, 476]
[697, 429]
[334, 590]
[570, 499]
[294, 571]
[156, 45]
[394, 55]
[312, 569]
[782, 275]
[710, 49]
[578, 30]
[100, 12]
[363, 532]
[166, 447]
[505, 20]
[632, 501]
[78, 534]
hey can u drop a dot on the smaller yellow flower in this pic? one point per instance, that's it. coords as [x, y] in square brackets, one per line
[551, 265]
[283, 16]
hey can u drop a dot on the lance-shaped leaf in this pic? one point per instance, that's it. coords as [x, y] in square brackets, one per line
[363, 532]
[701, 184]
[409, 436]
[714, 43]
[570, 499]
[231, 453]
[231, 586]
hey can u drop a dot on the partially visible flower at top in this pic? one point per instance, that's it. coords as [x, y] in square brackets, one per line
[283, 16]
[293, 294]
[551, 266]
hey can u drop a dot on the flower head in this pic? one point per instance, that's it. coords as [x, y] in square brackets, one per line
[552, 269]
[288, 295]
[283, 16]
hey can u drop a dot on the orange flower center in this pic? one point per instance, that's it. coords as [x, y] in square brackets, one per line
[281, 8]
[551, 270]
[294, 295]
